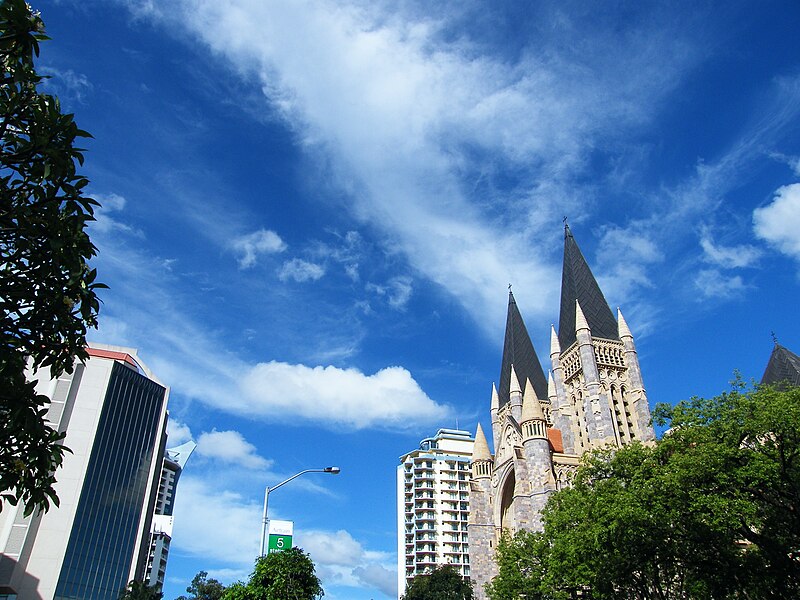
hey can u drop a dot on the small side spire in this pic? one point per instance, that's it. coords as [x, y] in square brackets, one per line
[580, 319]
[555, 346]
[480, 450]
[495, 398]
[624, 330]
[514, 387]
[531, 407]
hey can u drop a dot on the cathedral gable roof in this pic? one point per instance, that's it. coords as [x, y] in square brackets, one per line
[783, 366]
[518, 351]
[578, 283]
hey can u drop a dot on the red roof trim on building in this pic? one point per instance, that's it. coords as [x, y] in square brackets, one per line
[123, 356]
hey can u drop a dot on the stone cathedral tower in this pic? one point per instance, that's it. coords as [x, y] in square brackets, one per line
[592, 397]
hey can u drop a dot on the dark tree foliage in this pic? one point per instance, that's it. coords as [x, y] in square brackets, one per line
[47, 289]
[203, 588]
[138, 590]
[443, 583]
[285, 575]
[710, 512]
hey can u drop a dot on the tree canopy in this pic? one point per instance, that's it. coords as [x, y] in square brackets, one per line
[711, 511]
[203, 588]
[138, 590]
[443, 583]
[47, 288]
[285, 575]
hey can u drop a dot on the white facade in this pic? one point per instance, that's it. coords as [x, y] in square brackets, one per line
[433, 506]
[33, 548]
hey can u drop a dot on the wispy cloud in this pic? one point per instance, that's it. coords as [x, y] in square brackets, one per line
[406, 118]
[397, 291]
[729, 257]
[250, 246]
[712, 283]
[66, 84]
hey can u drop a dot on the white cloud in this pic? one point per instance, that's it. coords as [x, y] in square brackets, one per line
[713, 284]
[343, 561]
[230, 447]
[250, 246]
[779, 222]
[729, 257]
[338, 397]
[300, 271]
[177, 432]
[216, 524]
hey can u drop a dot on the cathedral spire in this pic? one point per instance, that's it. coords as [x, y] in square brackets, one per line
[518, 350]
[783, 367]
[578, 283]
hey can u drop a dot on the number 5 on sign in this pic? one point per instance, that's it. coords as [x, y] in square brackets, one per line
[280, 536]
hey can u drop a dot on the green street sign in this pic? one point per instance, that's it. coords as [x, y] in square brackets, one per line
[278, 543]
[280, 536]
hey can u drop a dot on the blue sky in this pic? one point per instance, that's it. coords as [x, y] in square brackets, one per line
[312, 211]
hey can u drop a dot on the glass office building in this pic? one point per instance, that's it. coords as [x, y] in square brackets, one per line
[113, 411]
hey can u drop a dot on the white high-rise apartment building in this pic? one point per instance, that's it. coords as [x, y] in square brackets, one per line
[433, 506]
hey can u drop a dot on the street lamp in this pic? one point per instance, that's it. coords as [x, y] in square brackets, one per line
[267, 490]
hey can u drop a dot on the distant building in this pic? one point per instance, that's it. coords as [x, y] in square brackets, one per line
[783, 367]
[433, 506]
[161, 531]
[114, 413]
[541, 425]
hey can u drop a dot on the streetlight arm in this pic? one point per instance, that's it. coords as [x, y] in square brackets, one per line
[275, 487]
[267, 490]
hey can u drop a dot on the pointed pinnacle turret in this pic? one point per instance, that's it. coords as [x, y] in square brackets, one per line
[514, 386]
[480, 450]
[624, 330]
[578, 283]
[580, 319]
[555, 347]
[531, 407]
[495, 399]
[551, 385]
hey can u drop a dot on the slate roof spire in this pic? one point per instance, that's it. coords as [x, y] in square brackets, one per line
[578, 283]
[518, 351]
[783, 366]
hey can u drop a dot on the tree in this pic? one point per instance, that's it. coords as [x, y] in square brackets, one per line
[443, 583]
[710, 511]
[138, 590]
[285, 575]
[203, 588]
[47, 289]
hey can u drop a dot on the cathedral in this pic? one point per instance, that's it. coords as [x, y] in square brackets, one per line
[593, 396]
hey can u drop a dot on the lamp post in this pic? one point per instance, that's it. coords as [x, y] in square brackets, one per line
[268, 489]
